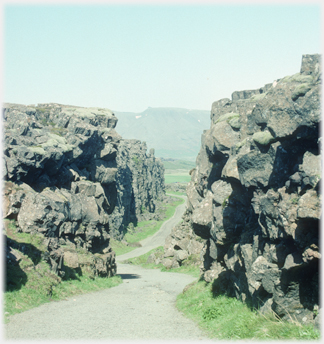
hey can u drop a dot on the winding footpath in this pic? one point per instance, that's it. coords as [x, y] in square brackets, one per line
[159, 237]
[141, 308]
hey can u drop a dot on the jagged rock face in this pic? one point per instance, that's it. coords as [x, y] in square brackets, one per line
[181, 244]
[63, 179]
[254, 194]
[61, 161]
[140, 184]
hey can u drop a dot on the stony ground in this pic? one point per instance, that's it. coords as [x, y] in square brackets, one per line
[141, 308]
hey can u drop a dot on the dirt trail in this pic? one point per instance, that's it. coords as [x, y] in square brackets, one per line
[141, 308]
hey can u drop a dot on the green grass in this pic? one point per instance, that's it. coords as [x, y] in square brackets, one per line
[177, 178]
[186, 268]
[119, 247]
[144, 229]
[175, 193]
[30, 282]
[175, 164]
[177, 171]
[42, 286]
[228, 318]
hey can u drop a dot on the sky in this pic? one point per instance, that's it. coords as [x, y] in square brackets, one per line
[133, 56]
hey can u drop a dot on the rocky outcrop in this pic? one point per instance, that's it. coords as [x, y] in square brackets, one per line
[254, 195]
[182, 246]
[140, 186]
[64, 175]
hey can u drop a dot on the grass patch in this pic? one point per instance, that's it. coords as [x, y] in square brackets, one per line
[145, 229]
[120, 247]
[175, 164]
[142, 260]
[29, 282]
[228, 318]
[42, 286]
[177, 178]
[186, 268]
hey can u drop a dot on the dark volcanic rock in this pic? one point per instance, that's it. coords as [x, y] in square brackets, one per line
[182, 247]
[65, 173]
[140, 185]
[254, 194]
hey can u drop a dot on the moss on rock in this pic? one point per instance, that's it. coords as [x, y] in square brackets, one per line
[300, 91]
[240, 144]
[227, 117]
[235, 123]
[258, 97]
[263, 138]
[298, 77]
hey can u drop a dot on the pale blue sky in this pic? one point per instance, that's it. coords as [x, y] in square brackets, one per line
[130, 57]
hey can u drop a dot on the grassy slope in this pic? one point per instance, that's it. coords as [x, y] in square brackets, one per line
[174, 164]
[31, 283]
[177, 178]
[228, 318]
[186, 268]
[143, 230]
[221, 316]
[177, 171]
[225, 317]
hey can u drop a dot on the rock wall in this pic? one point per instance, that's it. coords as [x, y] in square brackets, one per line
[182, 246]
[65, 174]
[254, 195]
[140, 185]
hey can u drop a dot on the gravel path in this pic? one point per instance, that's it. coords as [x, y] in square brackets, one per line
[159, 237]
[141, 308]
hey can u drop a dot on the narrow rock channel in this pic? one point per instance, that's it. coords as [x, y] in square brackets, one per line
[141, 308]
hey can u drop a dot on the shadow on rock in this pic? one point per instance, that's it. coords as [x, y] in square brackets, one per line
[15, 253]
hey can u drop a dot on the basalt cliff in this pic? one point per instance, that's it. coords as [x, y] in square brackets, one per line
[71, 177]
[254, 197]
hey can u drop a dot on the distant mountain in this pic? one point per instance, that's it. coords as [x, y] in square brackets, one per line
[172, 132]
